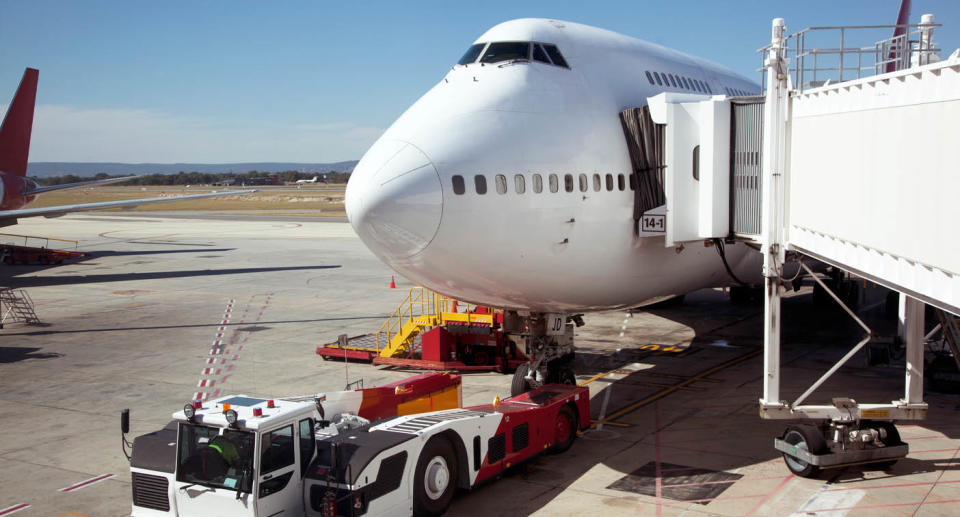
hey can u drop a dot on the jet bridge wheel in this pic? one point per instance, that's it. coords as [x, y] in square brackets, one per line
[435, 479]
[892, 439]
[807, 438]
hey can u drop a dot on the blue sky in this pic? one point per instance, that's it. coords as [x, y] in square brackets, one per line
[318, 81]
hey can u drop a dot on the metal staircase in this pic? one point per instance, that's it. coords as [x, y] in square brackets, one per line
[16, 305]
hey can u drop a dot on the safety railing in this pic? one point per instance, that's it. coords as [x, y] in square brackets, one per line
[420, 304]
[815, 58]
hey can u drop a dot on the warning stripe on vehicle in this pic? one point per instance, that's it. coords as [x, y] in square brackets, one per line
[14, 509]
[86, 483]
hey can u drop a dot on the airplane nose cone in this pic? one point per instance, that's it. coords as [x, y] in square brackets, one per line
[393, 200]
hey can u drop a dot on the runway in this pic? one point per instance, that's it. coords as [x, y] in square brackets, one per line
[674, 387]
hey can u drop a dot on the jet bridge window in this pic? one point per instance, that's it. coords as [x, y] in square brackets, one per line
[501, 182]
[657, 77]
[506, 51]
[537, 183]
[540, 55]
[480, 183]
[458, 187]
[555, 55]
[471, 54]
[649, 77]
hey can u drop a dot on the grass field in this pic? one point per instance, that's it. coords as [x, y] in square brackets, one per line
[325, 200]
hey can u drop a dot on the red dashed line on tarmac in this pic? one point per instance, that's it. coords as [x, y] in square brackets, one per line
[14, 509]
[86, 483]
[205, 383]
[219, 350]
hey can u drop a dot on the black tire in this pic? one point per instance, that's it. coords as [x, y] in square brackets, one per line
[808, 438]
[429, 499]
[519, 384]
[565, 376]
[892, 439]
[565, 430]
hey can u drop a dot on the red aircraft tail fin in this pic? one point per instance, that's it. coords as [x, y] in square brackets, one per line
[903, 18]
[17, 125]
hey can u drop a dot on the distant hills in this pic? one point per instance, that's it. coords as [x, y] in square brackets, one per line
[86, 169]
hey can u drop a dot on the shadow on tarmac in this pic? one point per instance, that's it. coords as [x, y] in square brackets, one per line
[706, 430]
[15, 354]
[36, 281]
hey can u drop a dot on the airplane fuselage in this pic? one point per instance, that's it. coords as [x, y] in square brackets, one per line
[508, 183]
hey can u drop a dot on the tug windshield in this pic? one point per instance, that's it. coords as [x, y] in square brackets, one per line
[207, 457]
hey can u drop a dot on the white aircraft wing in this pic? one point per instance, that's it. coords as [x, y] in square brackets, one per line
[57, 211]
[51, 188]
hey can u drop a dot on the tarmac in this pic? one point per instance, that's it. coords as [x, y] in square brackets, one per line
[674, 386]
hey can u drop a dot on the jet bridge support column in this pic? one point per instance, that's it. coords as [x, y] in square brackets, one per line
[774, 136]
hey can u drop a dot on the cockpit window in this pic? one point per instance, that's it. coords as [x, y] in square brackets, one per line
[506, 51]
[471, 54]
[539, 54]
[555, 55]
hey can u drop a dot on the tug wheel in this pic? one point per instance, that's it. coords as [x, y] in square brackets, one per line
[519, 384]
[565, 430]
[806, 438]
[435, 478]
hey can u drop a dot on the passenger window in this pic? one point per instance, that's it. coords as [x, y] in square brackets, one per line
[649, 77]
[633, 182]
[620, 184]
[307, 446]
[554, 183]
[657, 77]
[276, 449]
[480, 183]
[458, 187]
[568, 182]
[539, 54]
[609, 182]
[537, 183]
[471, 54]
[505, 51]
[519, 184]
[501, 181]
[583, 183]
[596, 183]
[555, 55]
[696, 163]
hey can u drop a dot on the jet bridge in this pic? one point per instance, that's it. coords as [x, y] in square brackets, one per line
[853, 165]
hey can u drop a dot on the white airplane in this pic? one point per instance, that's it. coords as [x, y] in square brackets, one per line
[312, 180]
[509, 184]
[17, 191]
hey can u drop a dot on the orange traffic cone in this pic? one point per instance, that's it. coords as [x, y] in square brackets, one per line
[393, 284]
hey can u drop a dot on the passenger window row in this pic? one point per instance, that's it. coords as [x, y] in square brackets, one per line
[734, 92]
[582, 183]
[678, 81]
[500, 51]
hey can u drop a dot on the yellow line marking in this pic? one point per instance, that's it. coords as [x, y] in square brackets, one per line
[593, 423]
[595, 377]
[677, 386]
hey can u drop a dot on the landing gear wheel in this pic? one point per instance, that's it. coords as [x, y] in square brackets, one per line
[519, 384]
[565, 430]
[435, 479]
[564, 376]
[807, 438]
